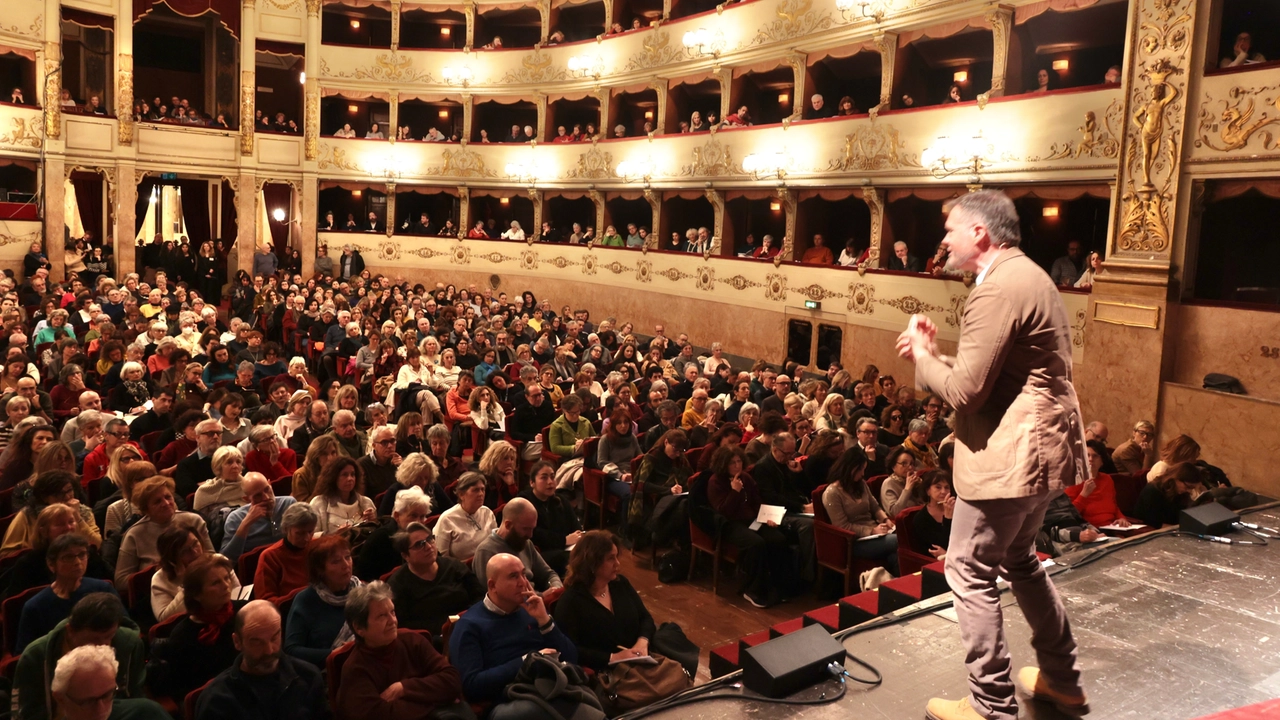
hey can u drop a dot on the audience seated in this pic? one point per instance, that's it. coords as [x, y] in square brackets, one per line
[515, 537]
[464, 526]
[763, 552]
[179, 548]
[263, 683]
[282, 567]
[67, 558]
[558, 529]
[1138, 452]
[498, 465]
[428, 587]
[258, 519]
[905, 486]
[339, 500]
[154, 499]
[491, 639]
[931, 526]
[195, 469]
[851, 506]
[1095, 498]
[55, 487]
[1160, 502]
[393, 673]
[378, 556]
[316, 624]
[86, 679]
[97, 619]
[199, 646]
[319, 455]
[32, 568]
[417, 470]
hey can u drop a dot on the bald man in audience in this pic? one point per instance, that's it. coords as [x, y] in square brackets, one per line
[263, 683]
[515, 536]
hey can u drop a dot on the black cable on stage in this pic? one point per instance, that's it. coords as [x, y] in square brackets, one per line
[690, 697]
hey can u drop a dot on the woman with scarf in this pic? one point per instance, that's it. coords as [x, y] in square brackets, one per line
[132, 394]
[917, 443]
[316, 624]
[200, 645]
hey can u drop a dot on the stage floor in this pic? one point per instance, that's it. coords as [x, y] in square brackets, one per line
[1169, 629]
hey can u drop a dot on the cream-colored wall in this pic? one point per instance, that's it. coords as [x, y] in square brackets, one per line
[1242, 343]
[1238, 434]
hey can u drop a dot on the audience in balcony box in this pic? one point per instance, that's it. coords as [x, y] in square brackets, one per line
[954, 96]
[15, 97]
[817, 109]
[345, 131]
[1093, 263]
[903, 260]
[1240, 53]
[1067, 269]
[767, 249]
[375, 133]
[1113, 75]
[1043, 80]
[819, 254]
[434, 135]
[845, 107]
[514, 233]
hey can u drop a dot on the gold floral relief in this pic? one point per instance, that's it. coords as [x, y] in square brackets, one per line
[536, 67]
[386, 67]
[795, 18]
[594, 164]
[24, 132]
[1235, 126]
[713, 159]
[1095, 142]
[462, 162]
[656, 51]
[878, 146]
[335, 158]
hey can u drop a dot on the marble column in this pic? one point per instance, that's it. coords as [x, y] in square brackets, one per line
[124, 73]
[55, 220]
[311, 115]
[246, 220]
[310, 214]
[126, 197]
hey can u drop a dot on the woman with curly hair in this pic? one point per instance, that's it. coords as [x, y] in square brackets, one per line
[18, 459]
[499, 465]
[339, 500]
[322, 451]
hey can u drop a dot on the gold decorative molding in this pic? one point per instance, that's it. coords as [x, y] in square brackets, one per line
[25, 133]
[389, 67]
[657, 50]
[795, 18]
[1001, 20]
[462, 162]
[713, 159]
[311, 120]
[594, 164]
[313, 8]
[52, 91]
[536, 67]
[871, 197]
[1094, 142]
[1236, 126]
[34, 30]
[31, 237]
[335, 158]
[1127, 314]
[289, 5]
[887, 46]
[1152, 145]
[124, 97]
[878, 146]
[248, 89]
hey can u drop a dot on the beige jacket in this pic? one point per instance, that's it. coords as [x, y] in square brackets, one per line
[1018, 428]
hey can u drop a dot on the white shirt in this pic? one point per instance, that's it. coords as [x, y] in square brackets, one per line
[983, 274]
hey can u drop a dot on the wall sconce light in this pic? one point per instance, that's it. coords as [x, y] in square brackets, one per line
[1050, 211]
[783, 98]
[444, 114]
[633, 170]
[1062, 65]
[458, 75]
[353, 109]
[445, 32]
[704, 42]
[357, 193]
[775, 206]
[302, 78]
[586, 65]
[504, 201]
[355, 24]
[648, 114]
[278, 215]
[950, 156]
[961, 76]
[854, 10]
[763, 165]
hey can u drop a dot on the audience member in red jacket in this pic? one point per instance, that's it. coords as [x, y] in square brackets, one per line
[1095, 498]
[391, 673]
[267, 457]
[282, 567]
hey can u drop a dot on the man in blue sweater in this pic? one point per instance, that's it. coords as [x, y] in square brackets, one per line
[257, 521]
[490, 642]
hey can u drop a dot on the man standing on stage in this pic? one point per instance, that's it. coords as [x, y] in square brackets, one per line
[1019, 439]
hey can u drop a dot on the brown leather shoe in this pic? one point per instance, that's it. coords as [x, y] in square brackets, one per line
[939, 709]
[1038, 688]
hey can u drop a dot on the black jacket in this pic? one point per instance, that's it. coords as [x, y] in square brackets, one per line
[527, 421]
[299, 694]
[779, 485]
[191, 471]
[423, 605]
[556, 519]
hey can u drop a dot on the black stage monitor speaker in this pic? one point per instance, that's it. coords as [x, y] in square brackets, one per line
[792, 662]
[1208, 519]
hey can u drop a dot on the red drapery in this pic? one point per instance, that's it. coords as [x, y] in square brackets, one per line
[229, 228]
[88, 19]
[281, 48]
[88, 187]
[195, 209]
[228, 11]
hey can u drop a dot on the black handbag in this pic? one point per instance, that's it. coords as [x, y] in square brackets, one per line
[671, 641]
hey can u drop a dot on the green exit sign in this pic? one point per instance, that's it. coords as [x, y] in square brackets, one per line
[812, 305]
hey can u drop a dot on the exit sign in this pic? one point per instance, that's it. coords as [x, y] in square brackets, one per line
[812, 305]
[168, 176]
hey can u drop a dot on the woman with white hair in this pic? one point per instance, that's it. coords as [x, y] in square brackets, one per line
[224, 490]
[132, 394]
[298, 407]
[716, 359]
[377, 557]
[515, 233]
[417, 470]
[56, 328]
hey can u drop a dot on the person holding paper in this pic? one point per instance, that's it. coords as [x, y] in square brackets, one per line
[600, 611]
[1011, 373]
[763, 552]
[852, 506]
[1095, 498]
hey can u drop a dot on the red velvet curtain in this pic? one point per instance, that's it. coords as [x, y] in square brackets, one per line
[88, 19]
[228, 10]
[229, 227]
[195, 210]
[88, 187]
